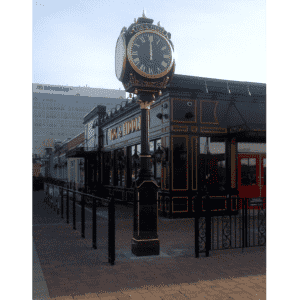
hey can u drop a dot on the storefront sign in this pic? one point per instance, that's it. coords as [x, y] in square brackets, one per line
[124, 129]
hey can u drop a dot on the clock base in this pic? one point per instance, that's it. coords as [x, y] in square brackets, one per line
[145, 247]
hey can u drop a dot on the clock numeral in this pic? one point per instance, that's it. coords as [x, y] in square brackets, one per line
[136, 60]
[134, 53]
[166, 56]
[164, 63]
[136, 45]
[163, 48]
[158, 69]
[142, 68]
[142, 39]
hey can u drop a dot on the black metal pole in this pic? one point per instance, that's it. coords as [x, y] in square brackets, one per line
[74, 211]
[82, 216]
[246, 222]
[94, 225]
[61, 192]
[208, 225]
[62, 202]
[111, 230]
[68, 203]
[197, 212]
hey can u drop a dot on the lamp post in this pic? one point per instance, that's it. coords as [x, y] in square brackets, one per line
[145, 239]
[146, 81]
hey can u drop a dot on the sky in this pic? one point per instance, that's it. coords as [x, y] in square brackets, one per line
[73, 42]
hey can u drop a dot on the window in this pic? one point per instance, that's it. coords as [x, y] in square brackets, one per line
[179, 163]
[212, 164]
[248, 171]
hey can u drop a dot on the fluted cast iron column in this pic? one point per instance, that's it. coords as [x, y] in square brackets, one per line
[145, 239]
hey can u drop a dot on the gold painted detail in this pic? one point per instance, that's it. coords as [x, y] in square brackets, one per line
[213, 130]
[148, 181]
[179, 128]
[177, 211]
[124, 129]
[194, 128]
[145, 104]
[145, 240]
[145, 155]
[147, 84]
[187, 100]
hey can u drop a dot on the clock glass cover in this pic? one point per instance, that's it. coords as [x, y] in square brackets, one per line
[120, 57]
[150, 54]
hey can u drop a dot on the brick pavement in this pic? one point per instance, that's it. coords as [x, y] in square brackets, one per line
[73, 270]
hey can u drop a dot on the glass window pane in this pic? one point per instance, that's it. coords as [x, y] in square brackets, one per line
[265, 171]
[248, 171]
[132, 150]
[179, 163]
[252, 161]
[244, 161]
[138, 149]
[158, 144]
[158, 170]
[151, 146]
[203, 145]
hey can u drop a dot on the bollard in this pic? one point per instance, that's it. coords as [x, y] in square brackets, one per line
[82, 216]
[197, 213]
[244, 221]
[111, 230]
[62, 202]
[68, 213]
[74, 212]
[94, 225]
[208, 225]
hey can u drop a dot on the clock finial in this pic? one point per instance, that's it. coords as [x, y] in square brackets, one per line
[144, 16]
[158, 24]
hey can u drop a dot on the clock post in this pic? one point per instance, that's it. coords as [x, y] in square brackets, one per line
[144, 64]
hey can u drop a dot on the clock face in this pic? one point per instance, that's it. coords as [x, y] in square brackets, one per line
[120, 57]
[150, 54]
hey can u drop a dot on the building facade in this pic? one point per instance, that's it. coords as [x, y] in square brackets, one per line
[211, 133]
[58, 111]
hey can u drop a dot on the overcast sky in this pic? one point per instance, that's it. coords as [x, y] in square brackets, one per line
[74, 40]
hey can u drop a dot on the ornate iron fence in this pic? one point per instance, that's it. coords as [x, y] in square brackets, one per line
[242, 227]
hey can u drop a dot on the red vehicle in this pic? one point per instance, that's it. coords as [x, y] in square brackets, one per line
[252, 176]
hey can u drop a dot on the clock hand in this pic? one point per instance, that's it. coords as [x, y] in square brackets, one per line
[150, 49]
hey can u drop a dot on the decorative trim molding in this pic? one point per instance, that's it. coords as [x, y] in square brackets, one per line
[179, 128]
[213, 130]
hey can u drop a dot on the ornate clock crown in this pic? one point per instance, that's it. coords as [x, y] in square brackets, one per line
[144, 19]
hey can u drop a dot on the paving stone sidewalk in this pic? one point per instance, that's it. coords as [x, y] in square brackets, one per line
[66, 267]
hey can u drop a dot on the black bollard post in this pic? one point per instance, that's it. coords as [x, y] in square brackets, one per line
[94, 225]
[62, 202]
[82, 216]
[61, 193]
[197, 213]
[68, 212]
[208, 225]
[111, 230]
[74, 211]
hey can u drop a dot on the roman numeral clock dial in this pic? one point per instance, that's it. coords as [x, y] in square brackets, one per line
[150, 54]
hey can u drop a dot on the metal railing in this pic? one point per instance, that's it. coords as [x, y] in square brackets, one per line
[239, 226]
[58, 206]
